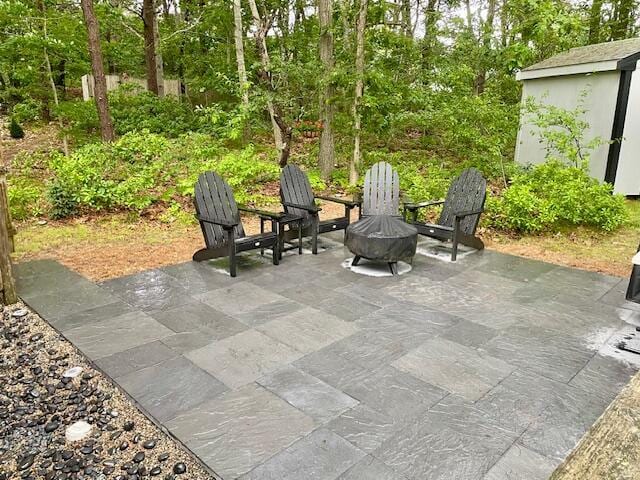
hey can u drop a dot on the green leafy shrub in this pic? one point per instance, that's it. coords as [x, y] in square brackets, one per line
[63, 204]
[15, 130]
[26, 198]
[133, 110]
[142, 168]
[552, 195]
[28, 110]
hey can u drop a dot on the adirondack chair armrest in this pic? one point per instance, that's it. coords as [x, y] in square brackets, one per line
[261, 213]
[415, 206]
[342, 201]
[226, 224]
[469, 212]
[308, 208]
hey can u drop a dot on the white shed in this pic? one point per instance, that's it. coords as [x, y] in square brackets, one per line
[605, 73]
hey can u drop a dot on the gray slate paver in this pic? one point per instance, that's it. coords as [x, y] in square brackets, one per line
[454, 367]
[171, 387]
[308, 330]
[240, 429]
[322, 455]
[68, 301]
[91, 315]
[312, 396]
[520, 463]
[135, 358]
[243, 358]
[395, 393]
[370, 468]
[365, 428]
[97, 340]
[149, 291]
[200, 318]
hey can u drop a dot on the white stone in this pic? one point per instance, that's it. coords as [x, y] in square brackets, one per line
[77, 431]
[19, 313]
[73, 372]
[375, 269]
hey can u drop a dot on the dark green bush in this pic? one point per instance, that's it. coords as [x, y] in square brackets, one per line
[63, 204]
[15, 130]
[552, 195]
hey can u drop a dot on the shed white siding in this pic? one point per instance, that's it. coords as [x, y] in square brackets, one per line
[565, 92]
[628, 175]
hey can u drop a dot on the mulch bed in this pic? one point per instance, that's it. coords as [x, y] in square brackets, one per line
[43, 392]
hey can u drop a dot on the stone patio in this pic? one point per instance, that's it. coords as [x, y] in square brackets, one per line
[490, 368]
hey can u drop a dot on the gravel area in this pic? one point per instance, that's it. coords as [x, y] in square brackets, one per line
[46, 386]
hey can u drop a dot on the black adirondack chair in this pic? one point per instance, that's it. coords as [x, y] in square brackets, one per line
[298, 199]
[219, 218]
[381, 192]
[381, 234]
[460, 215]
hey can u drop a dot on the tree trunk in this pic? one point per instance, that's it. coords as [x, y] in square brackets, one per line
[430, 18]
[326, 159]
[620, 28]
[282, 134]
[239, 38]
[149, 22]
[504, 26]
[100, 87]
[406, 18]
[595, 19]
[487, 33]
[158, 53]
[361, 24]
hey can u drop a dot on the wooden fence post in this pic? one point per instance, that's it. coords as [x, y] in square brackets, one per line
[6, 243]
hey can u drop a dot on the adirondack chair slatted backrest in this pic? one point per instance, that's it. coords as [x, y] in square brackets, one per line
[295, 188]
[214, 198]
[466, 193]
[381, 190]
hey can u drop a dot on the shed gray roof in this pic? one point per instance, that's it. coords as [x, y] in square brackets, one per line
[600, 52]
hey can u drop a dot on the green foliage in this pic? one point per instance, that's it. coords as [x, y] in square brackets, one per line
[143, 168]
[553, 195]
[26, 198]
[562, 131]
[63, 204]
[15, 130]
[132, 110]
[28, 110]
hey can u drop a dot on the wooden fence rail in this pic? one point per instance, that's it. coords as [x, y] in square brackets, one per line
[171, 87]
[7, 233]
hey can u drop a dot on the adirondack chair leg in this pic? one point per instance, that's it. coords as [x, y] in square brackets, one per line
[275, 248]
[262, 231]
[314, 234]
[355, 261]
[456, 234]
[393, 266]
[280, 242]
[300, 238]
[232, 252]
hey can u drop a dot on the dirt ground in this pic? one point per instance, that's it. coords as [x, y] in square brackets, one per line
[41, 139]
